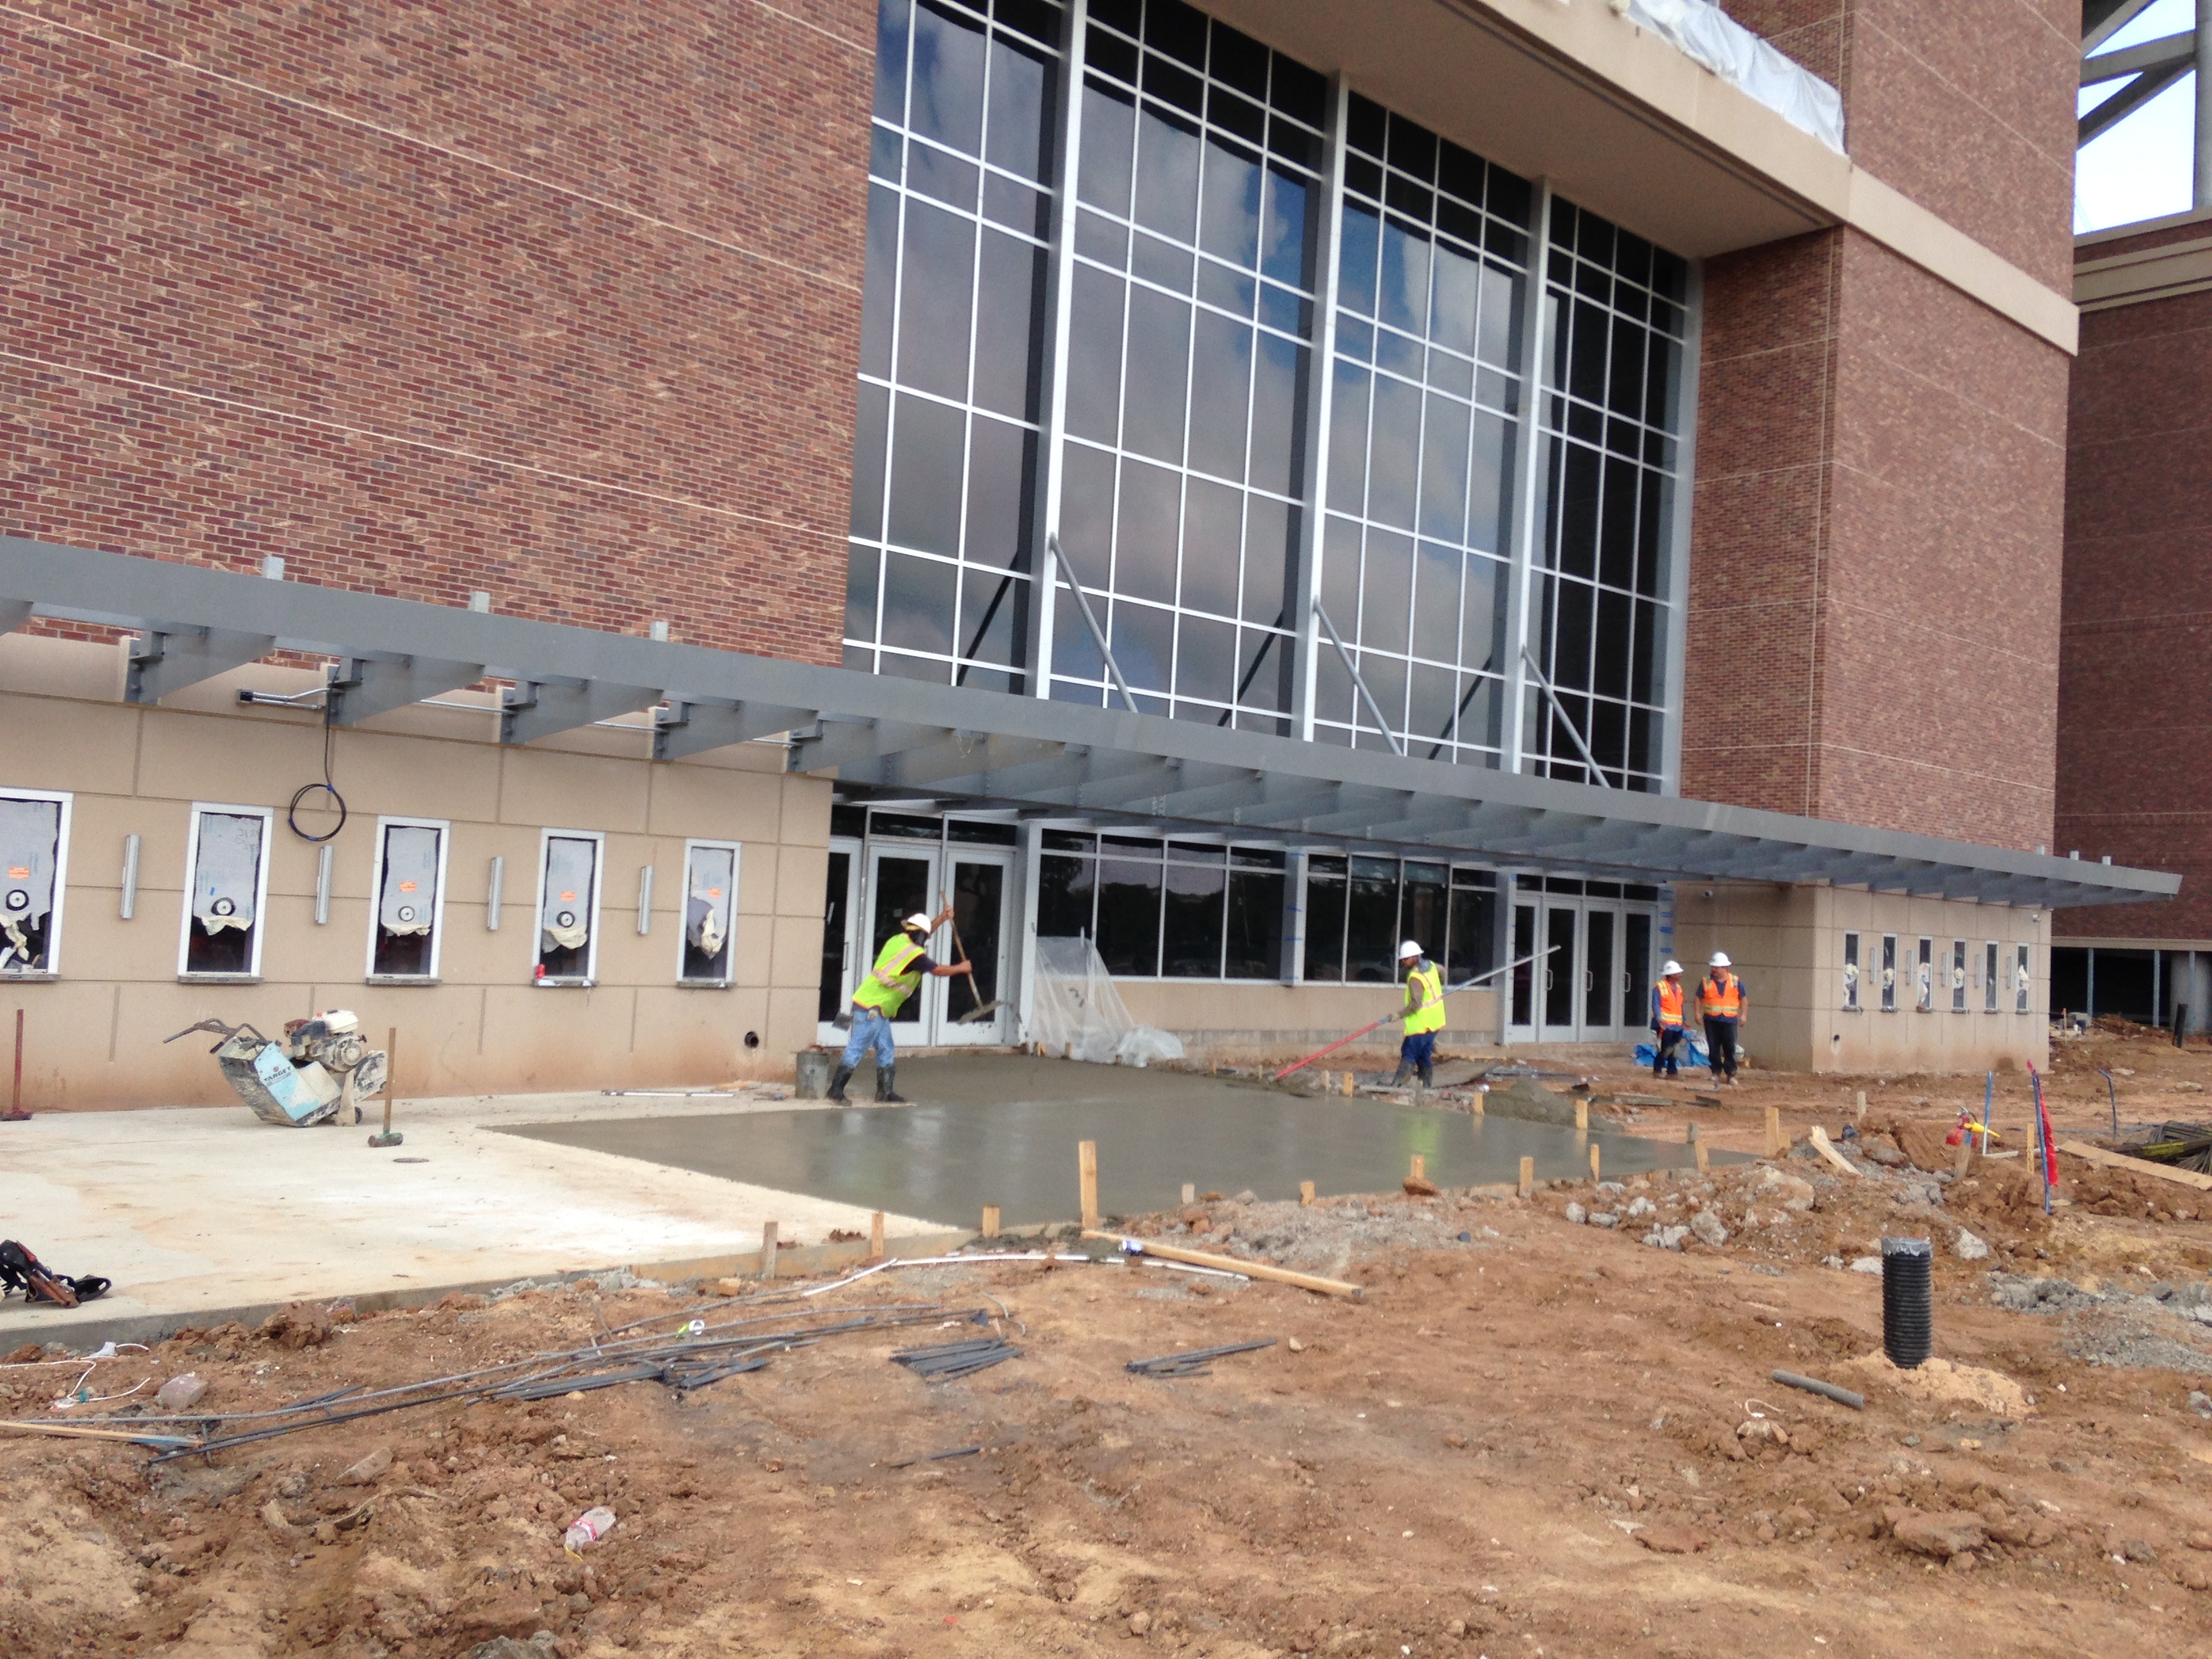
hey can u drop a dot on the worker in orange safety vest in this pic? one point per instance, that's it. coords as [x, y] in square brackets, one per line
[1721, 1005]
[1667, 1021]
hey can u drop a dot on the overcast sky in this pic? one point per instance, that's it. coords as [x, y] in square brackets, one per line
[2141, 168]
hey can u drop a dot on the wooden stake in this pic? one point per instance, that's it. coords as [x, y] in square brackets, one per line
[1233, 1264]
[1086, 1170]
[1350, 1082]
[876, 1236]
[1527, 1177]
[1582, 1115]
[1189, 1193]
[1689, 1132]
[1862, 1106]
[2139, 1166]
[1328, 1083]
[1964, 1157]
[1594, 1174]
[1305, 1191]
[990, 1221]
[1420, 1170]
[1775, 1143]
[1698, 1147]
[767, 1249]
[1475, 1101]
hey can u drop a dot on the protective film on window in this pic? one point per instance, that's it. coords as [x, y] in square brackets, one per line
[221, 937]
[1924, 977]
[1957, 976]
[2019, 981]
[1889, 973]
[710, 881]
[565, 923]
[30, 850]
[1991, 977]
[1851, 973]
[407, 907]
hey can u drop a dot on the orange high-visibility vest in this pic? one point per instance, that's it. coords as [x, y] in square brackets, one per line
[1720, 995]
[1669, 993]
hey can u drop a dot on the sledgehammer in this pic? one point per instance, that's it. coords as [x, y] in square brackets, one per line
[391, 1074]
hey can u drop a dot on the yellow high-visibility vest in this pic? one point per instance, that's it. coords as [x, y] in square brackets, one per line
[889, 983]
[1428, 1013]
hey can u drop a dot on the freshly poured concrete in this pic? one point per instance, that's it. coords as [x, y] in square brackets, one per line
[995, 1129]
[193, 1210]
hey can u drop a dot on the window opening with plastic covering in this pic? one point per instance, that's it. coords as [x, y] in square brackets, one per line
[1078, 1014]
[1990, 977]
[222, 920]
[32, 835]
[410, 865]
[568, 913]
[1889, 973]
[2019, 981]
[1923, 978]
[1957, 976]
[710, 892]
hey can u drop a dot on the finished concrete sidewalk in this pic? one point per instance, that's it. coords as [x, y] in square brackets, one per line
[201, 1210]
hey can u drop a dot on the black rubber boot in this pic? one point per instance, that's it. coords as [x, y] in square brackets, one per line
[838, 1079]
[1428, 1075]
[887, 1093]
[1404, 1072]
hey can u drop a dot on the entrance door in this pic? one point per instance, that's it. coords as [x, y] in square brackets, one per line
[1637, 976]
[1523, 977]
[900, 881]
[980, 882]
[1560, 974]
[840, 948]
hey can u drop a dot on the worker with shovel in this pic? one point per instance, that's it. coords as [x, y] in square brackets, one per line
[1424, 1016]
[899, 966]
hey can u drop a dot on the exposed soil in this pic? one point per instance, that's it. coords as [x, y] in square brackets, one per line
[1547, 1437]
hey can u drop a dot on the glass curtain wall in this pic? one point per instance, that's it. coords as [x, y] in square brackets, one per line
[1615, 317]
[1467, 576]
[951, 340]
[1175, 909]
[1432, 264]
[1359, 909]
[1190, 324]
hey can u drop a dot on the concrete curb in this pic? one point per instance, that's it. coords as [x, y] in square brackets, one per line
[83, 1335]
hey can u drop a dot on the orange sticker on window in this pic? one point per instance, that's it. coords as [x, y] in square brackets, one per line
[19, 872]
[406, 886]
[567, 898]
[712, 892]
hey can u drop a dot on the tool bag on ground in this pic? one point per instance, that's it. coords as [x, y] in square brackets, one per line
[22, 1270]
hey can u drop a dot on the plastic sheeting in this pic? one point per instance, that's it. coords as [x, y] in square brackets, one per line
[1707, 35]
[1077, 1012]
[409, 899]
[226, 875]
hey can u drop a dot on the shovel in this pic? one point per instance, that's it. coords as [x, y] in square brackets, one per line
[982, 1009]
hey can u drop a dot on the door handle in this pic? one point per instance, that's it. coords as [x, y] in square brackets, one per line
[1590, 978]
[1547, 978]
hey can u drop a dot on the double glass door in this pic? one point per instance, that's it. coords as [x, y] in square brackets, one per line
[872, 888]
[1592, 981]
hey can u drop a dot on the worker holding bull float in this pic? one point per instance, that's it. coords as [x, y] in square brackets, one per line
[899, 966]
[1423, 1011]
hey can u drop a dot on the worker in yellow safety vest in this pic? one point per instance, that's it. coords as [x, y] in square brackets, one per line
[1721, 1005]
[900, 967]
[1667, 1021]
[1423, 1011]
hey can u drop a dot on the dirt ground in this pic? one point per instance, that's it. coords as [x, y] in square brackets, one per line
[1535, 1435]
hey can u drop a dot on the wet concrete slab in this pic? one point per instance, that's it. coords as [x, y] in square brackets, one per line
[1003, 1129]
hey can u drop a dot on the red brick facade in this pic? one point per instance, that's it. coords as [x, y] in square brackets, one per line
[2136, 680]
[558, 301]
[1965, 106]
[1874, 602]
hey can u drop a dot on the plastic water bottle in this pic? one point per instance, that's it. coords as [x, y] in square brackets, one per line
[587, 1529]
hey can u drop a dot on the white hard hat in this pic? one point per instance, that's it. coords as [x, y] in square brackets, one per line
[1408, 949]
[1672, 967]
[1720, 960]
[917, 920]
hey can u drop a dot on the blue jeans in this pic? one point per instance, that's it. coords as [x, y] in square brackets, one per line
[1419, 1049]
[869, 1031]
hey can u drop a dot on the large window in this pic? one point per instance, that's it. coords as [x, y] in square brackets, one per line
[951, 340]
[1192, 309]
[1432, 262]
[407, 904]
[1358, 910]
[710, 898]
[568, 876]
[33, 862]
[1615, 318]
[1173, 909]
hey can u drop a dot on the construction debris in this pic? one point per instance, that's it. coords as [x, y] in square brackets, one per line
[1196, 1362]
[947, 1360]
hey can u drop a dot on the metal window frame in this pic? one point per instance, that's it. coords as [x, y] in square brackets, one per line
[67, 800]
[385, 824]
[1854, 971]
[1924, 963]
[1992, 958]
[2023, 978]
[737, 852]
[1889, 1000]
[201, 810]
[1957, 976]
[590, 977]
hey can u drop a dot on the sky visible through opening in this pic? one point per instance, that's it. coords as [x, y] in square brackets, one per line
[2141, 168]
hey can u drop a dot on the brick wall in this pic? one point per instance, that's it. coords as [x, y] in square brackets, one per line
[560, 301]
[1968, 106]
[2135, 661]
[1873, 604]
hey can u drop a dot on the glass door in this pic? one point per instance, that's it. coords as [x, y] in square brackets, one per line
[970, 1012]
[839, 948]
[1523, 979]
[900, 881]
[1559, 973]
[1601, 985]
[1637, 975]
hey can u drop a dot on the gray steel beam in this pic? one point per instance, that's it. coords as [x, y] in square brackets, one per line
[2103, 19]
[2125, 102]
[165, 660]
[365, 687]
[539, 709]
[693, 728]
[2151, 56]
[1065, 757]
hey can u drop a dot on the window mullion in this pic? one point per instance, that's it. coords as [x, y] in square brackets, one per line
[1321, 377]
[1059, 263]
[1527, 518]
